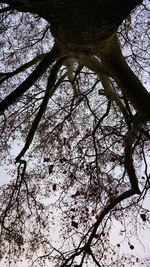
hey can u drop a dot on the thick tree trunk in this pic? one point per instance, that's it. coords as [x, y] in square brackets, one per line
[88, 27]
[79, 24]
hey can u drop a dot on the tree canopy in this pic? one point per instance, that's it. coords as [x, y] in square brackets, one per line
[75, 102]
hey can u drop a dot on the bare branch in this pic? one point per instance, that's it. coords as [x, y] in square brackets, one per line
[22, 88]
[5, 76]
[49, 92]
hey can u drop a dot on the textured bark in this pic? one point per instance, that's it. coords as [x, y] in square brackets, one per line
[85, 32]
[33, 77]
[127, 81]
[79, 24]
[88, 27]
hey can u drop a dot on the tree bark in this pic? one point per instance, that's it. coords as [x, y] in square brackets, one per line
[125, 78]
[79, 24]
[88, 27]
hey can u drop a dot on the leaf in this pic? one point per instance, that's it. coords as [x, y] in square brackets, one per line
[50, 169]
[74, 224]
[62, 160]
[78, 193]
[72, 176]
[93, 212]
[86, 135]
[68, 145]
[54, 187]
[73, 210]
[46, 159]
[96, 236]
[143, 216]
[97, 217]
[112, 159]
[64, 142]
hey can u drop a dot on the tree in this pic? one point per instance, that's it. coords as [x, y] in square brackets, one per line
[84, 117]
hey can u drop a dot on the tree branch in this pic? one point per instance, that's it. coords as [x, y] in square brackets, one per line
[104, 212]
[129, 141]
[5, 76]
[95, 65]
[5, 9]
[49, 92]
[22, 88]
[128, 82]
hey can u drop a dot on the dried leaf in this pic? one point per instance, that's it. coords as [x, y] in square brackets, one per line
[112, 159]
[131, 247]
[97, 217]
[143, 216]
[51, 168]
[62, 160]
[73, 210]
[96, 236]
[78, 193]
[46, 159]
[54, 187]
[68, 145]
[74, 224]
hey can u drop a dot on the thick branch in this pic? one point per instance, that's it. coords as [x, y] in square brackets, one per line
[22, 88]
[69, 64]
[5, 76]
[129, 142]
[104, 212]
[95, 65]
[5, 9]
[49, 92]
[125, 78]
[92, 21]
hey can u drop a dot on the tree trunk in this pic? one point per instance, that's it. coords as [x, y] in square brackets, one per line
[79, 24]
[88, 27]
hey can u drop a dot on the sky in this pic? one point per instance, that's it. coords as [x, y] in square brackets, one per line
[141, 246]
[140, 250]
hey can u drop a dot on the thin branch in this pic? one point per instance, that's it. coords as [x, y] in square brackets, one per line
[95, 65]
[112, 95]
[103, 117]
[104, 212]
[16, 188]
[5, 76]
[49, 92]
[22, 88]
[94, 259]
